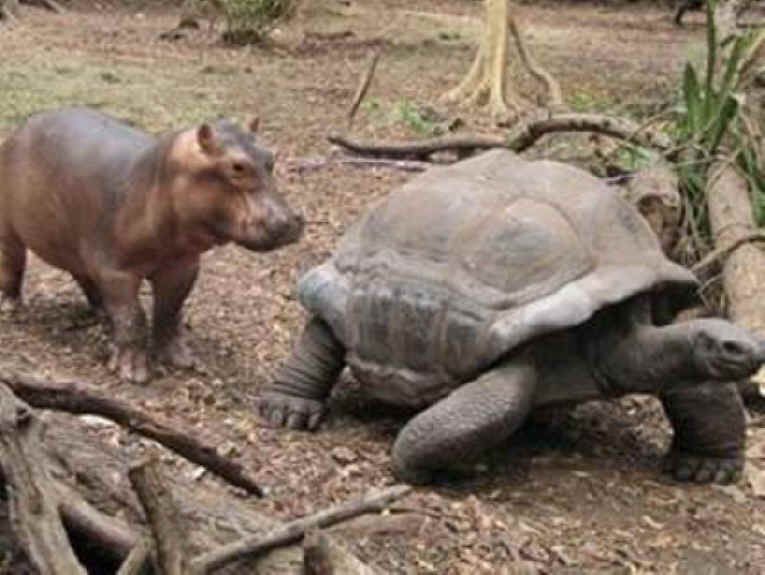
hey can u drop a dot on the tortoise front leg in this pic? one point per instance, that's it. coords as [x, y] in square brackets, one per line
[478, 415]
[296, 396]
[710, 429]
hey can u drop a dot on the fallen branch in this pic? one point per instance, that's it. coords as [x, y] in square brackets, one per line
[162, 516]
[525, 136]
[366, 81]
[421, 149]
[721, 253]
[75, 397]
[294, 530]
[733, 227]
[32, 501]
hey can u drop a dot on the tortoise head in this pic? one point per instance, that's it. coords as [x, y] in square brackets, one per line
[723, 351]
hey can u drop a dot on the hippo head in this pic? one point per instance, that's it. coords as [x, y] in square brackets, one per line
[224, 189]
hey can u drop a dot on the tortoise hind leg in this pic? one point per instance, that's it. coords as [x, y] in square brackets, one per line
[710, 426]
[296, 396]
[478, 415]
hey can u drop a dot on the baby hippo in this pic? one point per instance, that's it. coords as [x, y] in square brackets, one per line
[113, 206]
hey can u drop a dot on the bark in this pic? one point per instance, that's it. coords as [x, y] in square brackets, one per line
[76, 397]
[162, 515]
[32, 499]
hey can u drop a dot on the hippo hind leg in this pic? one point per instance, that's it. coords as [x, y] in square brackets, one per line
[477, 416]
[91, 292]
[710, 426]
[297, 395]
[13, 259]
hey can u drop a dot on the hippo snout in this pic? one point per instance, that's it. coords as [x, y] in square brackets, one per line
[278, 227]
[288, 227]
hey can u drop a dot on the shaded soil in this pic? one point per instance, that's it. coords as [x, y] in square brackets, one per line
[582, 494]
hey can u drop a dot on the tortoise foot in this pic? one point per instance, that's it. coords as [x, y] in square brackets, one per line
[282, 410]
[699, 468]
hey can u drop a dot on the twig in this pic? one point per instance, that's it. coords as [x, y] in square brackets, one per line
[723, 252]
[294, 530]
[364, 84]
[75, 397]
[520, 139]
[135, 563]
[32, 503]
[162, 516]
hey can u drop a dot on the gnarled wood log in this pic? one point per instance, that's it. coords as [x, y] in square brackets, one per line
[732, 222]
[76, 461]
[33, 501]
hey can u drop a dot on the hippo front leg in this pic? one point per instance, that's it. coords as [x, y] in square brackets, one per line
[473, 418]
[120, 296]
[13, 258]
[710, 428]
[171, 287]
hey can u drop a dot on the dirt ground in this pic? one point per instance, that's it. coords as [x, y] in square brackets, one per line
[582, 495]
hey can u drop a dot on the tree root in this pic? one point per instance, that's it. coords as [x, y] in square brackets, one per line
[487, 77]
[46, 512]
[75, 397]
[520, 139]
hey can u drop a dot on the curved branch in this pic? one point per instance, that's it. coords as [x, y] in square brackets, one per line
[519, 139]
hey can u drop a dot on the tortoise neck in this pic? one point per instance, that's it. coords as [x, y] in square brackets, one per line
[643, 359]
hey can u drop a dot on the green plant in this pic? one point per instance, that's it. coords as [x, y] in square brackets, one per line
[711, 123]
[250, 21]
[407, 113]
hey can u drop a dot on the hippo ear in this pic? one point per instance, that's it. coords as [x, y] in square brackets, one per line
[253, 124]
[206, 138]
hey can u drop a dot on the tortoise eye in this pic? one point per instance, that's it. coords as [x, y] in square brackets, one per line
[238, 168]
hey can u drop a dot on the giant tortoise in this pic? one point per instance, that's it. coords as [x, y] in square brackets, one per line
[483, 290]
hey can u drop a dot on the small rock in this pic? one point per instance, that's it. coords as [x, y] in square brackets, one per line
[343, 455]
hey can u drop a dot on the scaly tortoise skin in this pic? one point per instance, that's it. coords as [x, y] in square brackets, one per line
[481, 291]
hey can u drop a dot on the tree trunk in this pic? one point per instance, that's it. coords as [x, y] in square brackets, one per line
[487, 77]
